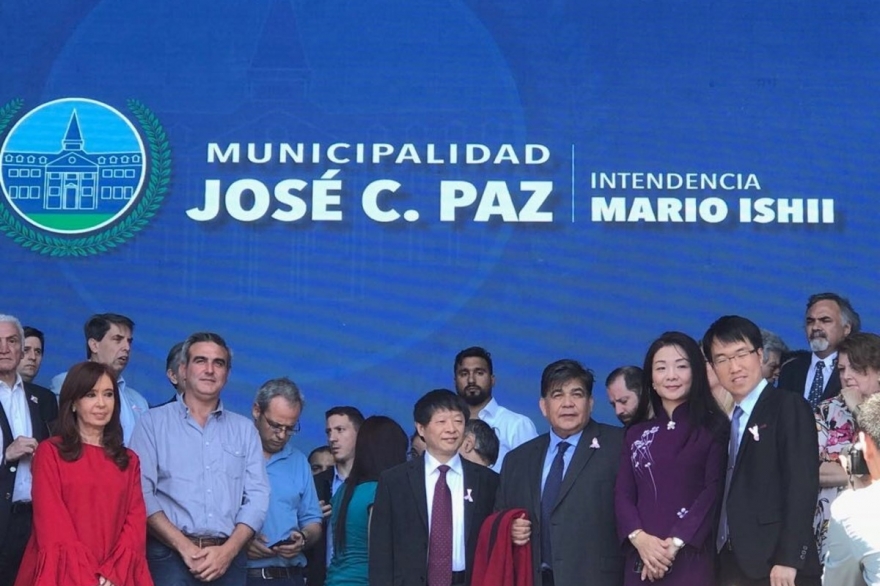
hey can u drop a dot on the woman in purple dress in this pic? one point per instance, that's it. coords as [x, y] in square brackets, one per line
[671, 475]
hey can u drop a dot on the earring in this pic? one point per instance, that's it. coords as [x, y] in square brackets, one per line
[73, 409]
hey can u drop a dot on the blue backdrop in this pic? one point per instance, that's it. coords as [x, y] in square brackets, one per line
[368, 308]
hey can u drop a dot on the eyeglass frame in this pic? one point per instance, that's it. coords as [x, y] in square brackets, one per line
[277, 428]
[725, 361]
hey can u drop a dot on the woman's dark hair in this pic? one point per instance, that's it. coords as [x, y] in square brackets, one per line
[381, 444]
[80, 381]
[704, 410]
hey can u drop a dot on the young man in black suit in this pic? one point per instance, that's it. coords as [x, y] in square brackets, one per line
[573, 532]
[26, 413]
[829, 319]
[765, 533]
[428, 511]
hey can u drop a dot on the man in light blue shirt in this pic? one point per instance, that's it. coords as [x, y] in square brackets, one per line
[203, 476]
[293, 522]
[109, 337]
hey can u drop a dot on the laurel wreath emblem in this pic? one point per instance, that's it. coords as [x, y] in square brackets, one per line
[146, 208]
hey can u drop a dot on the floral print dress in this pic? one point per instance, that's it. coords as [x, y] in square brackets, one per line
[836, 427]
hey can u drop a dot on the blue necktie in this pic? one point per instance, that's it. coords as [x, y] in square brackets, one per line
[549, 498]
[818, 385]
[732, 449]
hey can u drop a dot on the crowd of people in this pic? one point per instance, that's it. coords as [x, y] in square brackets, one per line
[739, 462]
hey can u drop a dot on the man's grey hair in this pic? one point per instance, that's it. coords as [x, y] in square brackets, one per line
[868, 418]
[279, 387]
[848, 315]
[772, 343]
[11, 319]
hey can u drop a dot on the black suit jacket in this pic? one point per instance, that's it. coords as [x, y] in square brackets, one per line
[772, 495]
[793, 377]
[586, 549]
[316, 557]
[399, 526]
[43, 407]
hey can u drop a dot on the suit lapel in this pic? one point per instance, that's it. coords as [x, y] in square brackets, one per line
[535, 470]
[415, 472]
[38, 426]
[802, 376]
[582, 455]
[758, 415]
[832, 389]
[469, 479]
[7, 428]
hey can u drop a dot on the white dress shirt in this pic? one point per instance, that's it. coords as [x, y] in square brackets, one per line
[455, 481]
[853, 545]
[827, 369]
[15, 406]
[512, 429]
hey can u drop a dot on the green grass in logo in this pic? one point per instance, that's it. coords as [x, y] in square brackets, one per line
[69, 221]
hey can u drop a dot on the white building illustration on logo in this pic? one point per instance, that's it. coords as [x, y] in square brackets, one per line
[72, 179]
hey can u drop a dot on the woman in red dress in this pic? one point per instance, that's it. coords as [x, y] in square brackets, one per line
[89, 515]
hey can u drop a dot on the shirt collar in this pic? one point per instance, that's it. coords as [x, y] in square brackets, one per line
[432, 463]
[829, 360]
[555, 440]
[748, 404]
[181, 405]
[18, 384]
[281, 454]
[489, 409]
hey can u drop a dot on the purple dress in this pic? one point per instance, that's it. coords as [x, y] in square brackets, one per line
[669, 484]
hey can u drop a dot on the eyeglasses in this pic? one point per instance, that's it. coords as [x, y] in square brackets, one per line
[281, 429]
[726, 360]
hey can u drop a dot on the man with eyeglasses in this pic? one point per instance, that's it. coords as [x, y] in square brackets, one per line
[765, 532]
[293, 522]
[203, 476]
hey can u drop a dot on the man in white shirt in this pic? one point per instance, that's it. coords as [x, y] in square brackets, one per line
[853, 556]
[108, 341]
[428, 511]
[474, 381]
[829, 319]
[26, 413]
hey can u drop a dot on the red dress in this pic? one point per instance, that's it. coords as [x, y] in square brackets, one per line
[89, 521]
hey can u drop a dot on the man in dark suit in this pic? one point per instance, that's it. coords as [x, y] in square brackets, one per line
[765, 533]
[26, 413]
[565, 480]
[830, 318]
[428, 511]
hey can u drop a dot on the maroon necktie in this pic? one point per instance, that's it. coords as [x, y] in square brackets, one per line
[440, 542]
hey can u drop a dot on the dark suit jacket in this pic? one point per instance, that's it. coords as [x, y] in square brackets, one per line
[586, 549]
[316, 557]
[793, 377]
[399, 526]
[43, 407]
[772, 495]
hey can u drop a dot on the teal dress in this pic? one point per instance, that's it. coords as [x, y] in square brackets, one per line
[349, 567]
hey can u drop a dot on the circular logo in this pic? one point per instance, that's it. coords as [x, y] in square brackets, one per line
[77, 177]
[72, 166]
